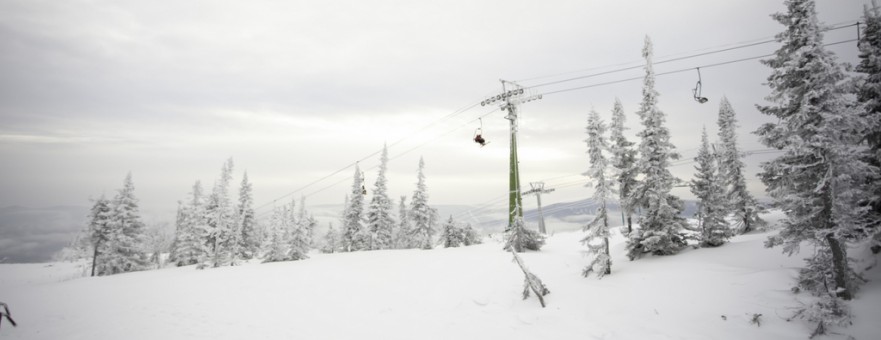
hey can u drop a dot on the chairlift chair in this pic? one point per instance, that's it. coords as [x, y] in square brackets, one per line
[478, 135]
[698, 88]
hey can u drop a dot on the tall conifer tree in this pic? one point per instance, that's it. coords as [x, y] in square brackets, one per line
[380, 223]
[127, 239]
[661, 225]
[744, 206]
[819, 180]
[423, 215]
[249, 241]
[353, 230]
[869, 95]
[598, 229]
[624, 162]
[708, 187]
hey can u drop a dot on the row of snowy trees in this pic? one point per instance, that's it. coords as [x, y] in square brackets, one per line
[454, 235]
[290, 233]
[828, 128]
[641, 179]
[212, 231]
[378, 229]
[826, 181]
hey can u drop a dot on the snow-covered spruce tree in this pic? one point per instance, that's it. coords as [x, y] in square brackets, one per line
[623, 160]
[521, 239]
[249, 241]
[353, 219]
[298, 234]
[277, 248]
[404, 232]
[819, 180]
[99, 232]
[471, 235]
[189, 239]
[598, 229]
[660, 231]
[302, 214]
[707, 186]
[307, 222]
[126, 242]
[869, 95]
[331, 240]
[380, 223]
[744, 206]
[451, 234]
[310, 224]
[423, 215]
[221, 222]
[178, 225]
[158, 241]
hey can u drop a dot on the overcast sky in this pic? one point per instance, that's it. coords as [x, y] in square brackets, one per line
[294, 91]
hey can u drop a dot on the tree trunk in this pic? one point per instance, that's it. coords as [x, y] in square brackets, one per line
[839, 267]
[746, 227]
[629, 224]
[609, 267]
[95, 257]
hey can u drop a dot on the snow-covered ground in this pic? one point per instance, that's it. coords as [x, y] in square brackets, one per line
[458, 293]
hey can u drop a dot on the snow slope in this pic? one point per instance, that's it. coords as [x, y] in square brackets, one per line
[458, 293]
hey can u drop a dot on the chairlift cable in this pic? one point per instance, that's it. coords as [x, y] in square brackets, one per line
[745, 45]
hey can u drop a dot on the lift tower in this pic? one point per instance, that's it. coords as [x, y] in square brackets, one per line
[511, 96]
[538, 188]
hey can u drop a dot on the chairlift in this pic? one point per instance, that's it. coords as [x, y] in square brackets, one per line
[697, 89]
[478, 135]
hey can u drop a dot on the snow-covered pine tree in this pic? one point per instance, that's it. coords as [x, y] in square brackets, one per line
[451, 234]
[471, 235]
[380, 223]
[623, 160]
[331, 240]
[222, 236]
[178, 227]
[660, 231]
[311, 224]
[745, 207]
[422, 214]
[158, 239]
[99, 233]
[869, 95]
[307, 222]
[343, 214]
[598, 229]
[404, 232]
[298, 234]
[126, 241]
[189, 244]
[249, 242]
[707, 186]
[520, 238]
[277, 248]
[353, 231]
[819, 181]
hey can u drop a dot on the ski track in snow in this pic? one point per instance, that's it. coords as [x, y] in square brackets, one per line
[458, 293]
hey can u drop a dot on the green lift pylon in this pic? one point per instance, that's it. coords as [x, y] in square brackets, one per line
[512, 95]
